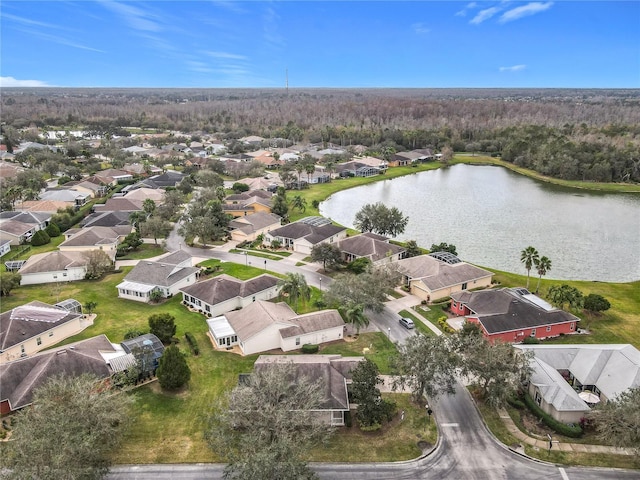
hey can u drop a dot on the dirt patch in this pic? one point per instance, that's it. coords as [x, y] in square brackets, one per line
[181, 393]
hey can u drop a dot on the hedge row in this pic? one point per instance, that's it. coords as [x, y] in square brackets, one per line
[191, 340]
[573, 431]
[310, 348]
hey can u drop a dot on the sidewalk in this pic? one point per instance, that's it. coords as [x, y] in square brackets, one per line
[407, 302]
[543, 444]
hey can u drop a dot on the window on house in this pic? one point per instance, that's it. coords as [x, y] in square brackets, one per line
[51, 334]
[533, 332]
[464, 286]
[21, 348]
[538, 398]
[39, 341]
[64, 274]
[297, 340]
[573, 325]
[549, 328]
[207, 308]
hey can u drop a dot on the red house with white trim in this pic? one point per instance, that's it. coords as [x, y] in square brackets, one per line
[512, 314]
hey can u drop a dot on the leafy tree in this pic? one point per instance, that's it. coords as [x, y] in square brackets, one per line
[497, 369]
[209, 179]
[565, 294]
[543, 265]
[148, 206]
[327, 253]
[98, 263]
[173, 371]
[354, 314]
[40, 238]
[618, 420]
[9, 281]
[70, 431]
[443, 247]
[367, 289]
[299, 203]
[156, 227]
[90, 306]
[280, 205]
[372, 409]
[163, 326]
[412, 248]
[427, 365]
[267, 423]
[529, 256]
[447, 155]
[378, 218]
[133, 333]
[240, 187]
[359, 265]
[596, 303]
[52, 230]
[295, 287]
[132, 241]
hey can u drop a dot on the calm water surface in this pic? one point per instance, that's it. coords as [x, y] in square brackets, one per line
[491, 214]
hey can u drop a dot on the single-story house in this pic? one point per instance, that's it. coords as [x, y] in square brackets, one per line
[303, 235]
[512, 314]
[79, 198]
[112, 176]
[334, 371]
[44, 206]
[19, 227]
[431, 278]
[106, 219]
[170, 178]
[247, 206]
[138, 193]
[93, 189]
[224, 293]
[95, 238]
[119, 204]
[355, 168]
[20, 378]
[567, 380]
[248, 228]
[372, 246]
[34, 326]
[53, 267]
[264, 326]
[167, 275]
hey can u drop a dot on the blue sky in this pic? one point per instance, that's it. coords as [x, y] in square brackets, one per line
[322, 44]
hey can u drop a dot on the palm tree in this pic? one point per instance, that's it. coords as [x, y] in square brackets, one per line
[543, 265]
[294, 285]
[299, 203]
[529, 257]
[356, 317]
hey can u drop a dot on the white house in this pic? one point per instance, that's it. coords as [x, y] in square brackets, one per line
[224, 293]
[264, 326]
[53, 267]
[303, 235]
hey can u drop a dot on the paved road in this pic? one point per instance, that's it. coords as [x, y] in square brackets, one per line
[466, 450]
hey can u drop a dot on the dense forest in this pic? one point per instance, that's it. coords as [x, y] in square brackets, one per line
[581, 134]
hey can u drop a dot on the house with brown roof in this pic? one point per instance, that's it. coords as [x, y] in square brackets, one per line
[512, 314]
[119, 204]
[53, 267]
[34, 326]
[333, 373]
[19, 227]
[167, 276]
[431, 278]
[264, 326]
[21, 378]
[242, 204]
[224, 293]
[248, 228]
[303, 235]
[372, 246]
[44, 206]
[95, 238]
[112, 176]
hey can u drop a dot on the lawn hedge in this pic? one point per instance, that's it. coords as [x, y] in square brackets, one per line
[573, 431]
[193, 344]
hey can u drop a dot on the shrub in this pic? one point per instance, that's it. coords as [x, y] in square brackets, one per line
[193, 344]
[40, 238]
[133, 333]
[531, 341]
[310, 348]
[370, 428]
[52, 230]
[573, 431]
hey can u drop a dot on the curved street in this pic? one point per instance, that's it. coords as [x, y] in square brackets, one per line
[465, 450]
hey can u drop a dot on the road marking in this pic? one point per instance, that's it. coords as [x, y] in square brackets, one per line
[449, 424]
[563, 473]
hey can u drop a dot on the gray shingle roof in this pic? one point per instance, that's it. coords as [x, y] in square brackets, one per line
[224, 287]
[369, 246]
[93, 236]
[312, 322]
[254, 222]
[437, 275]
[20, 378]
[159, 273]
[53, 262]
[256, 317]
[311, 233]
[106, 219]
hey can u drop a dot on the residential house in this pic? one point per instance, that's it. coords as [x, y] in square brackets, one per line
[170, 178]
[254, 140]
[401, 159]
[432, 279]
[95, 238]
[19, 227]
[140, 194]
[21, 378]
[372, 246]
[264, 326]
[355, 168]
[167, 275]
[5, 247]
[112, 176]
[568, 380]
[44, 206]
[106, 219]
[248, 228]
[74, 197]
[303, 235]
[119, 204]
[224, 293]
[94, 190]
[239, 205]
[334, 373]
[34, 326]
[54, 267]
[512, 314]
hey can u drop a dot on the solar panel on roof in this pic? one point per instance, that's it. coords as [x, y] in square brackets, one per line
[37, 314]
[446, 257]
[14, 265]
[315, 221]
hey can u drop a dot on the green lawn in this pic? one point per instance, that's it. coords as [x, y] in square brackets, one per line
[146, 250]
[420, 326]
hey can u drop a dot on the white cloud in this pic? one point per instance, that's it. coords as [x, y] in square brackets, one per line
[420, 28]
[524, 11]
[513, 68]
[13, 82]
[467, 7]
[483, 15]
[137, 18]
[225, 55]
[199, 67]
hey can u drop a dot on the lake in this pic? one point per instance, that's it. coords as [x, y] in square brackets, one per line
[491, 214]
